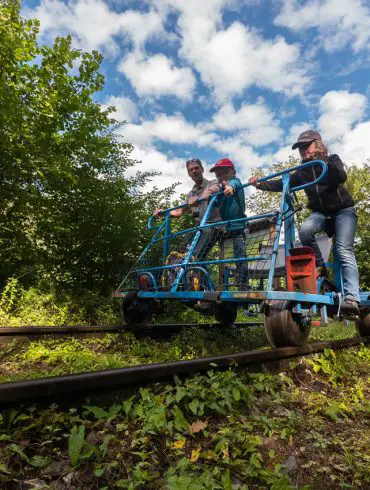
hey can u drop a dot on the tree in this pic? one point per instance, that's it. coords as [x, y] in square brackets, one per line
[263, 202]
[358, 184]
[67, 209]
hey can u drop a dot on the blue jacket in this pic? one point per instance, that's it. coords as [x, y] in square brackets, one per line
[233, 207]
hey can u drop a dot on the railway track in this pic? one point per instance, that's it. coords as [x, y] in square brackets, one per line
[117, 379]
[160, 330]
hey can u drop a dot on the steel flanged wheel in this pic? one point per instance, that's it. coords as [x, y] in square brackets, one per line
[363, 324]
[136, 311]
[225, 313]
[284, 328]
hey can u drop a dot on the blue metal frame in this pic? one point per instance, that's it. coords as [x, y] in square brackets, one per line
[162, 233]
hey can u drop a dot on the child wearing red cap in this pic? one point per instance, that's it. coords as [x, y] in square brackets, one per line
[231, 206]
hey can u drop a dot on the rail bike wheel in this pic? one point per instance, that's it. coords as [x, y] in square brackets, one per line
[136, 311]
[225, 313]
[363, 324]
[284, 328]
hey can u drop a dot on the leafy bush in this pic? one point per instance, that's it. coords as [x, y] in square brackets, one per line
[35, 306]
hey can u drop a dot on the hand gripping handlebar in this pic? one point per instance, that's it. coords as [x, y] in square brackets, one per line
[323, 165]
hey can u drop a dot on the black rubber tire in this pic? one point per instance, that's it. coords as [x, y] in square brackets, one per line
[282, 327]
[136, 311]
[363, 324]
[225, 313]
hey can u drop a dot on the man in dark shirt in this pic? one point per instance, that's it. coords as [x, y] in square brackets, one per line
[333, 208]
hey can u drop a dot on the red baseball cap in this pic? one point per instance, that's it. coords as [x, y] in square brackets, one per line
[225, 162]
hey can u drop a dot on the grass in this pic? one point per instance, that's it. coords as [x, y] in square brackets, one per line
[305, 428]
[24, 359]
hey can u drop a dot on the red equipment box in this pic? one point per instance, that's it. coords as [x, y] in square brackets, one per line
[301, 270]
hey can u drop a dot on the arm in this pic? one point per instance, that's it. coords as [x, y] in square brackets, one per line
[212, 189]
[272, 186]
[231, 185]
[209, 190]
[276, 185]
[336, 173]
[175, 213]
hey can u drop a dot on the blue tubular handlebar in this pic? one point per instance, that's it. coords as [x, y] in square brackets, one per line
[299, 167]
[150, 223]
[165, 211]
[324, 167]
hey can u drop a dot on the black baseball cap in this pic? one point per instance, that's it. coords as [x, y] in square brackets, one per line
[307, 137]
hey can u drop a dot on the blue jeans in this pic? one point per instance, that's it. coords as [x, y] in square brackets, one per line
[239, 249]
[343, 223]
[211, 236]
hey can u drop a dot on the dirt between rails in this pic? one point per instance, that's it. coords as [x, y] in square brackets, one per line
[307, 427]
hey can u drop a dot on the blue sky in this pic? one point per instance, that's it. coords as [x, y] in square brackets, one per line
[225, 78]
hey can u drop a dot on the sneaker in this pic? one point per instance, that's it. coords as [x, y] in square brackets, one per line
[350, 307]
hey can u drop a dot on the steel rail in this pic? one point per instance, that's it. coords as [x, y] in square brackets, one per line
[45, 388]
[79, 329]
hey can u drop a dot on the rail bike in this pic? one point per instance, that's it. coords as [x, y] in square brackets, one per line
[198, 267]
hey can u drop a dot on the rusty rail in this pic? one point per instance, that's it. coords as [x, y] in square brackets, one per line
[7, 334]
[46, 388]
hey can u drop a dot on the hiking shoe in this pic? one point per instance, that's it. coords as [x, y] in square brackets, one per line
[350, 307]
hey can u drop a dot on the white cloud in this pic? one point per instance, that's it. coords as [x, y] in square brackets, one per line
[142, 26]
[339, 22]
[231, 60]
[283, 154]
[236, 58]
[339, 111]
[354, 147]
[94, 25]
[135, 134]
[295, 130]
[175, 129]
[172, 169]
[242, 155]
[257, 121]
[126, 109]
[157, 76]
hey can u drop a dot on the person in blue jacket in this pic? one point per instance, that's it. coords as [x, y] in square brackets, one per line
[231, 205]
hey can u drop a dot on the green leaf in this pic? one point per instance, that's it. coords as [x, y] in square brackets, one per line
[227, 480]
[75, 443]
[180, 393]
[40, 461]
[127, 404]
[194, 406]
[99, 471]
[98, 412]
[179, 420]
[18, 450]
[4, 469]
[236, 394]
